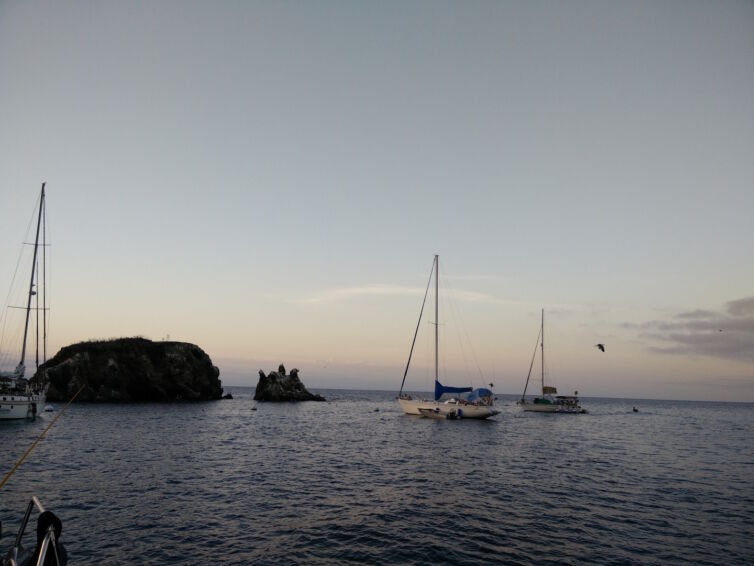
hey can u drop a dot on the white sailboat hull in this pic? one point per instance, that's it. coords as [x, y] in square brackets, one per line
[442, 408]
[20, 406]
[480, 412]
[412, 406]
[550, 408]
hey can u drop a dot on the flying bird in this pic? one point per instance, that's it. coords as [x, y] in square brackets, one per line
[600, 346]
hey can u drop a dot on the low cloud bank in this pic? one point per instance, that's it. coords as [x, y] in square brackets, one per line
[726, 334]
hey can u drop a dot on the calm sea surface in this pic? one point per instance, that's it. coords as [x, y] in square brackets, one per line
[354, 480]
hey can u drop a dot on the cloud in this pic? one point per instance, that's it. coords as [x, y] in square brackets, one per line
[727, 334]
[696, 314]
[741, 307]
[557, 312]
[334, 295]
[471, 277]
[331, 295]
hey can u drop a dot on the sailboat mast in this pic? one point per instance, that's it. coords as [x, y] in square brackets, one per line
[36, 326]
[44, 293]
[542, 344]
[31, 281]
[437, 316]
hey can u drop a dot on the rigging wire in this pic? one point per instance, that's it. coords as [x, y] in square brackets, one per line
[20, 291]
[34, 444]
[429, 358]
[11, 340]
[408, 363]
[469, 358]
[46, 283]
[455, 310]
[534, 355]
[4, 356]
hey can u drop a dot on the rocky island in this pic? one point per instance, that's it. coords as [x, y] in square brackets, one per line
[132, 370]
[279, 387]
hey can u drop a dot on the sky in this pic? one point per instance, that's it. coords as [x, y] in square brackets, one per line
[271, 181]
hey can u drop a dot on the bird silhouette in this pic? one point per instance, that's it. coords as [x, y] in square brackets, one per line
[600, 346]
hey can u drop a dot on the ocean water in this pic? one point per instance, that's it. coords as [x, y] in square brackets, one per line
[354, 480]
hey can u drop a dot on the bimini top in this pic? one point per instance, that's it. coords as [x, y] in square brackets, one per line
[440, 389]
[477, 394]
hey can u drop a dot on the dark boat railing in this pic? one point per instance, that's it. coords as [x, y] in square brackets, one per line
[48, 542]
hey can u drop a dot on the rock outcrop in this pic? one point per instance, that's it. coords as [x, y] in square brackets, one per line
[132, 370]
[277, 386]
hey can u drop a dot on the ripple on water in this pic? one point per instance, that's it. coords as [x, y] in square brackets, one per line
[337, 482]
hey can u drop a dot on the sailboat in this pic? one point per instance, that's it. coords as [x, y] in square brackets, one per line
[549, 401]
[21, 398]
[477, 405]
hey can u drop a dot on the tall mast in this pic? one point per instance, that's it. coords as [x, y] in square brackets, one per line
[542, 344]
[437, 316]
[44, 293]
[36, 325]
[31, 281]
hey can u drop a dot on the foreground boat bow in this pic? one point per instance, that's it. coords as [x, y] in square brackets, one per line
[48, 549]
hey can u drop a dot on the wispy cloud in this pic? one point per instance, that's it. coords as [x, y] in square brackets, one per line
[741, 307]
[471, 277]
[697, 314]
[340, 294]
[332, 295]
[739, 381]
[726, 334]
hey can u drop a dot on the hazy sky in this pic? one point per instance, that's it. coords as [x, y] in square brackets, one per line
[270, 181]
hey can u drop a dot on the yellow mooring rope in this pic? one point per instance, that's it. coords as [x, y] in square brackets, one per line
[33, 444]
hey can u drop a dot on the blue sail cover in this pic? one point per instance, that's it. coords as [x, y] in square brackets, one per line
[478, 394]
[440, 389]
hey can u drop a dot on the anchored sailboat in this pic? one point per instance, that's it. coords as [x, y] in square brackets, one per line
[21, 398]
[549, 401]
[478, 404]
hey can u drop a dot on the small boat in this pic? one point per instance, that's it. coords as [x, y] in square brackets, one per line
[47, 550]
[549, 401]
[432, 413]
[451, 414]
[478, 404]
[49, 409]
[21, 398]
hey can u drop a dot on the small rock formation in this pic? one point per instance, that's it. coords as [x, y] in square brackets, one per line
[277, 386]
[132, 370]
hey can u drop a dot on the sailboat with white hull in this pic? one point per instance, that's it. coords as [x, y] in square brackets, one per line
[549, 401]
[21, 398]
[477, 405]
